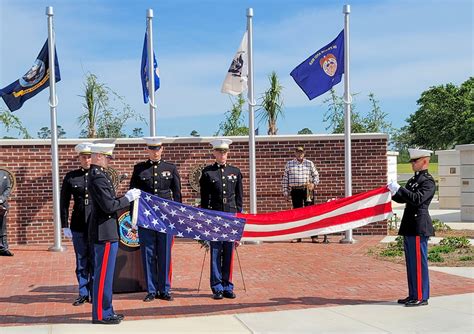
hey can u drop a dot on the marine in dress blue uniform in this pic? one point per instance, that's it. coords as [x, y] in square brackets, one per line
[221, 190]
[416, 226]
[5, 191]
[103, 232]
[75, 184]
[160, 178]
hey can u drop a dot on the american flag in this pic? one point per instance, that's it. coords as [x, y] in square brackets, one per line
[331, 217]
[200, 224]
[186, 221]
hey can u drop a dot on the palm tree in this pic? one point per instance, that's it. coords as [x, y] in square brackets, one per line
[272, 104]
[96, 101]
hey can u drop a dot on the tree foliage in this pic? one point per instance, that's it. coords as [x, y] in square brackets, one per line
[137, 133]
[374, 121]
[305, 131]
[271, 105]
[194, 133]
[45, 132]
[233, 125]
[12, 122]
[444, 118]
[101, 117]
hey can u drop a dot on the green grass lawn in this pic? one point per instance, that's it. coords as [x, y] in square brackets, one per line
[406, 168]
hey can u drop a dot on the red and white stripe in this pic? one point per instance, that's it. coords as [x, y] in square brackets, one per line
[331, 217]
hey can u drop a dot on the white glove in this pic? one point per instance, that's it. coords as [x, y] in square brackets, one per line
[393, 187]
[133, 194]
[67, 232]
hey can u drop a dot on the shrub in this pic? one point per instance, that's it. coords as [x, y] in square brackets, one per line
[391, 252]
[435, 257]
[441, 249]
[466, 258]
[438, 226]
[455, 242]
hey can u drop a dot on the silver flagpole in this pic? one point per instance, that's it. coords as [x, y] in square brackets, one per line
[151, 72]
[54, 134]
[346, 9]
[252, 170]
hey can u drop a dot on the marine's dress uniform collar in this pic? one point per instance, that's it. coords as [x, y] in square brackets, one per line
[97, 167]
[424, 171]
[219, 165]
[152, 162]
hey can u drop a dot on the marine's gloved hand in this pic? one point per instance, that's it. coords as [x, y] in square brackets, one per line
[133, 194]
[67, 232]
[393, 187]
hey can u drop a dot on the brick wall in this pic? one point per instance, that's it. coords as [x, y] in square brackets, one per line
[30, 217]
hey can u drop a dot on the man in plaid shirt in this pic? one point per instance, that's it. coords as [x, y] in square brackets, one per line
[299, 180]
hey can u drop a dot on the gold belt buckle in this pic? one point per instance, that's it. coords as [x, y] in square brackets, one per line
[224, 200]
[86, 201]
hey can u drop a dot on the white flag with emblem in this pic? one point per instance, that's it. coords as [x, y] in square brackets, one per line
[236, 79]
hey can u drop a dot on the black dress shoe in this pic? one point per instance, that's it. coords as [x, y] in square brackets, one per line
[229, 294]
[404, 300]
[149, 297]
[413, 303]
[119, 316]
[109, 321]
[80, 300]
[218, 295]
[6, 253]
[165, 296]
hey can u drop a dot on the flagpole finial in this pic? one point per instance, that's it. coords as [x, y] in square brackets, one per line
[149, 13]
[346, 9]
[249, 12]
[49, 11]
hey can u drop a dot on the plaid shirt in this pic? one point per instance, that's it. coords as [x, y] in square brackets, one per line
[299, 174]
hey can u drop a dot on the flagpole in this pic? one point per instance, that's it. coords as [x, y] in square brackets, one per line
[54, 133]
[151, 72]
[252, 170]
[346, 9]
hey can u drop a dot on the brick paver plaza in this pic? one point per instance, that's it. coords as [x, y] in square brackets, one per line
[38, 286]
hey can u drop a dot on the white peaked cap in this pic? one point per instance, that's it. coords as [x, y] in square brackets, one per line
[416, 153]
[103, 148]
[153, 141]
[84, 148]
[221, 144]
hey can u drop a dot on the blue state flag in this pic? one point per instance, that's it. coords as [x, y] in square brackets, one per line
[322, 70]
[33, 82]
[144, 70]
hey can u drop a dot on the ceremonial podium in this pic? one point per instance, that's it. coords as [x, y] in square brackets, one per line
[129, 275]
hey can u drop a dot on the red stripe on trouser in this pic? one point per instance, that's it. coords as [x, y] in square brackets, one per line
[103, 271]
[231, 267]
[418, 269]
[170, 273]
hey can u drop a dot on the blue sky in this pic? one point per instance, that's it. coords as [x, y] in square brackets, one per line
[398, 50]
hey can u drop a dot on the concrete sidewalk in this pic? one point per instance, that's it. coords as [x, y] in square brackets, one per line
[447, 314]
